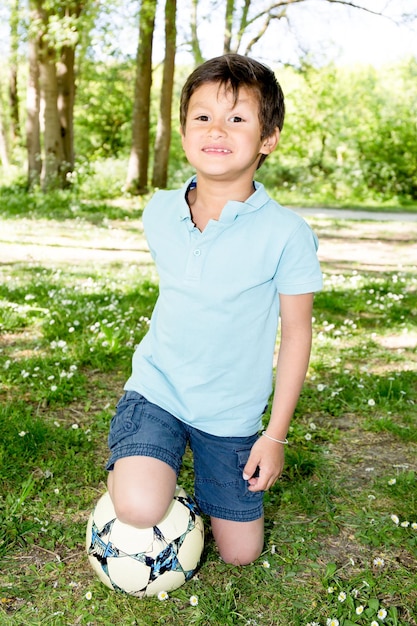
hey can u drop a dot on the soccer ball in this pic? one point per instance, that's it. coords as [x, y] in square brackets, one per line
[143, 562]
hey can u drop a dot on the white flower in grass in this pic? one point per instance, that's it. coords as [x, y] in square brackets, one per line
[414, 525]
[22, 433]
[321, 387]
[332, 621]
[379, 562]
[193, 600]
[359, 609]
[307, 436]
[355, 593]
[342, 596]
[371, 402]
[395, 519]
[273, 549]
[330, 589]
[88, 595]
[312, 426]
[266, 564]
[392, 481]
[374, 623]
[75, 427]
[162, 595]
[381, 614]
[405, 524]
[54, 387]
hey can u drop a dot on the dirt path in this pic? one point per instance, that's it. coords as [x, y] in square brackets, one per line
[375, 244]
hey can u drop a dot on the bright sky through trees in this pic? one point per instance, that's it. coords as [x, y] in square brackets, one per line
[338, 33]
[329, 32]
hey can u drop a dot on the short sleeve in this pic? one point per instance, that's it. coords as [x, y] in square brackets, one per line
[299, 270]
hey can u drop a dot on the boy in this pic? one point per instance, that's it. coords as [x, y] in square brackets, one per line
[230, 261]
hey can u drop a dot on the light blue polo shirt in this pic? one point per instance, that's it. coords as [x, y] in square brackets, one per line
[208, 355]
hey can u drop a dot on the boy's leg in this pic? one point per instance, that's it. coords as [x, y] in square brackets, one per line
[239, 543]
[222, 493]
[146, 448]
[141, 489]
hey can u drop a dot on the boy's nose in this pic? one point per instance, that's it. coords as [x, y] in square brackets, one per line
[216, 130]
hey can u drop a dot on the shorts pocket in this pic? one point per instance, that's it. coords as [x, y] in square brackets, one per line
[243, 456]
[127, 420]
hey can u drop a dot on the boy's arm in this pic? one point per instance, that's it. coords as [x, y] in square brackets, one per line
[293, 358]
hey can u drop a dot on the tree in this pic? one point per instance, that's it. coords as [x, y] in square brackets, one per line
[194, 41]
[163, 134]
[33, 137]
[4, 157]
[137, 172]
[53, 37]
[13, 68]
[52, 166]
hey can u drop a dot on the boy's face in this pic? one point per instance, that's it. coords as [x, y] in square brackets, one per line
[222, 138]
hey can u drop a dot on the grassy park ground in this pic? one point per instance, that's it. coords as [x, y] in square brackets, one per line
[76, 293]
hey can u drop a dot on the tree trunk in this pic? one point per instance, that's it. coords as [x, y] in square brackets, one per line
[195, 43]
[66, 98]
[137, 172]
[32, 123]
[51, 175]
[163, 136]
[228, 26]
[4, 157]
[13, 92]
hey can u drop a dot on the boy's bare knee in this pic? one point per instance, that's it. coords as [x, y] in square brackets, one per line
[240, 556]
[140, 503]
[239, 543]
[140, 514]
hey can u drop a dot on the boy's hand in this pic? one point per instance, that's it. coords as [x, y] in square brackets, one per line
[264, 465]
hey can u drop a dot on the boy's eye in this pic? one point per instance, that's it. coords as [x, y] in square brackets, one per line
[236, 118]
[203, 118]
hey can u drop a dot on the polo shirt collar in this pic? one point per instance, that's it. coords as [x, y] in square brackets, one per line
[232, 209]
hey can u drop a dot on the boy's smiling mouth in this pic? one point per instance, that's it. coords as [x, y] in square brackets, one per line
[216, 150]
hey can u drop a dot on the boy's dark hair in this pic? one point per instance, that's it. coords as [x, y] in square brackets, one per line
[233, 71]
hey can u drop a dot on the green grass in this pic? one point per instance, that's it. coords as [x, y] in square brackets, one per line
[341, 525]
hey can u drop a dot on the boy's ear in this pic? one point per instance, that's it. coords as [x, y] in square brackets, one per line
[270, 143]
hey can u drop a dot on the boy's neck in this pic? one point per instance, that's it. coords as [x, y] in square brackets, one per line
[210, 197]
[207, 199]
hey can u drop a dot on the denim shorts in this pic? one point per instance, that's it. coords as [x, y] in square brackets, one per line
[140, 428]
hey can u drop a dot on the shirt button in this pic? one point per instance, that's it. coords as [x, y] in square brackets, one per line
[197, 252]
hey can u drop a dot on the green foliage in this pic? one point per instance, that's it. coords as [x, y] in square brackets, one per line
[103, 115]
[349, 135]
